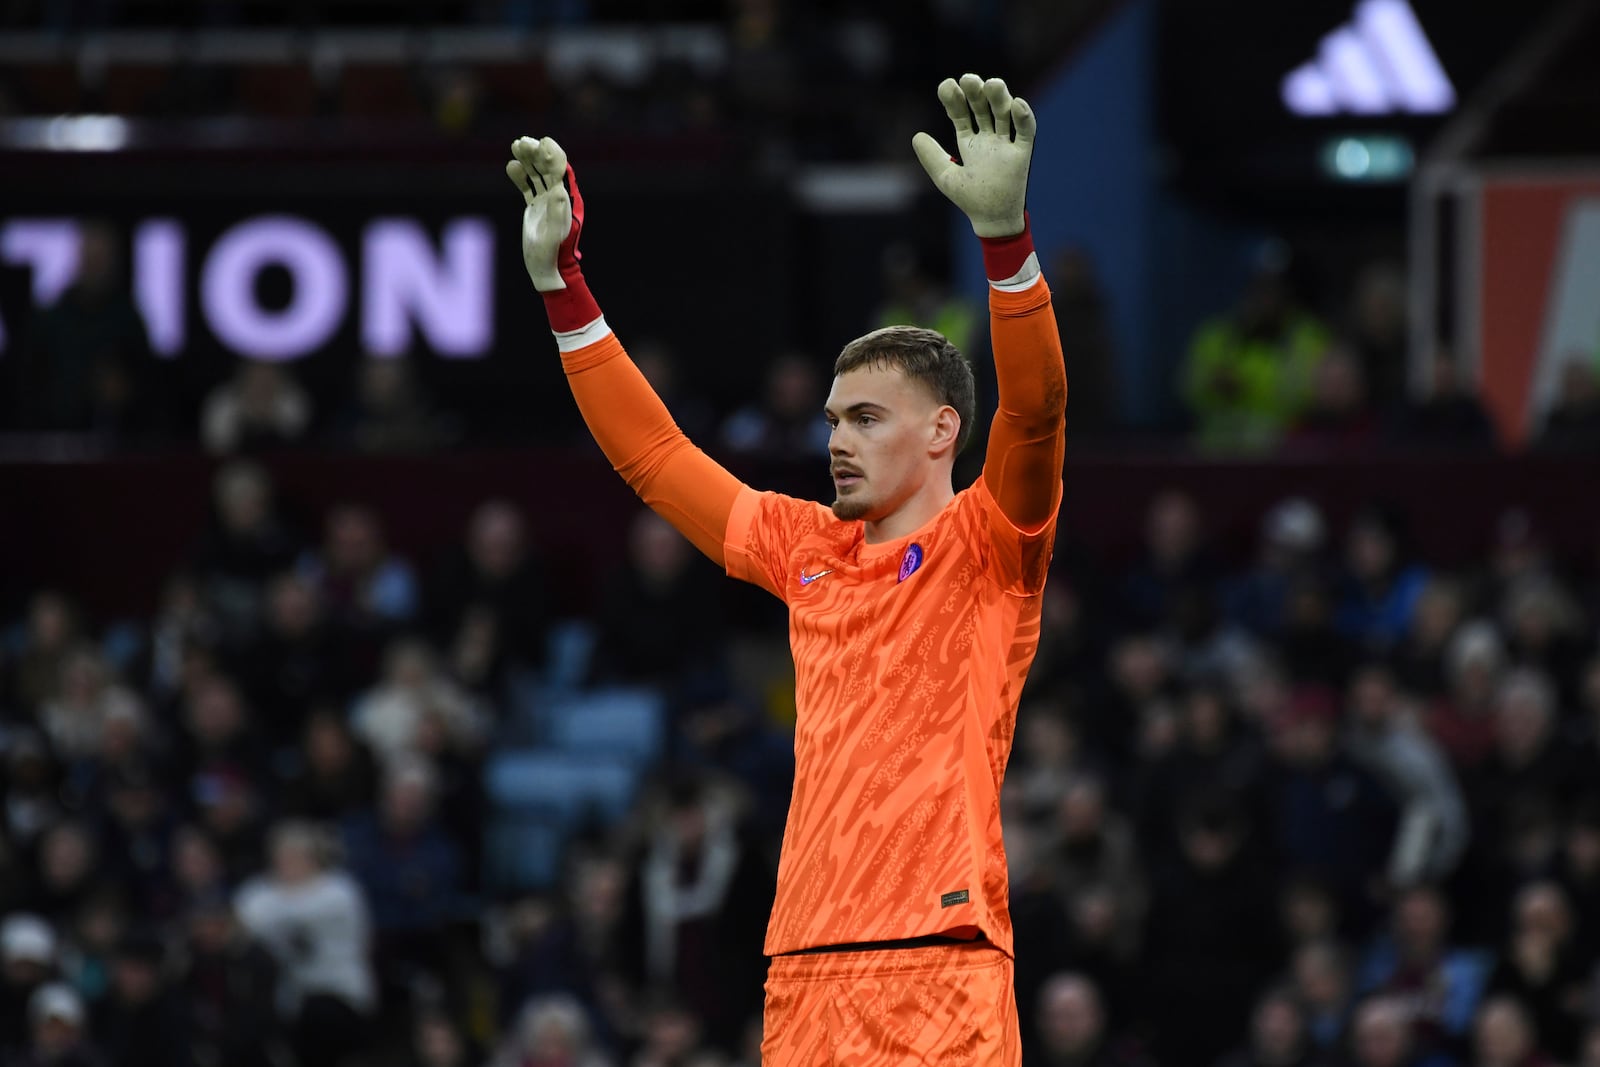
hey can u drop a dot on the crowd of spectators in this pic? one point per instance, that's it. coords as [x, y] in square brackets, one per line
[1335, 807]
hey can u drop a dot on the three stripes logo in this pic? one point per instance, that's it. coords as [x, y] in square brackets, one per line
[1379, 63]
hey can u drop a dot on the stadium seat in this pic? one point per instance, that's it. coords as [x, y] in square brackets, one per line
[567, 786]
[522, 854]
[630, 723]
[571, 647]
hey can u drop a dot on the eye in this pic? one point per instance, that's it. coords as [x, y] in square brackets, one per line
[865, 420]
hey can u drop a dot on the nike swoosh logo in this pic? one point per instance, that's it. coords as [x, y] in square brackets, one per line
[807, 579]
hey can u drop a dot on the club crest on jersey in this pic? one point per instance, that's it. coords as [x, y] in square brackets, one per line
[910, 561]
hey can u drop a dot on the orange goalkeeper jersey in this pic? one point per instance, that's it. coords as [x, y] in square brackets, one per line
[909, 658]
[909, 654]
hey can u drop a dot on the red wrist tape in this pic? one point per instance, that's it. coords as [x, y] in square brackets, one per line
[1003, 257]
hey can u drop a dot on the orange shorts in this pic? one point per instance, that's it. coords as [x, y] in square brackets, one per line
[933, 1004]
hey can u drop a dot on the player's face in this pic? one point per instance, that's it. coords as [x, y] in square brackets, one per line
[886, 432]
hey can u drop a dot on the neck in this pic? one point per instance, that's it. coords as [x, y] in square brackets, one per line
[915, 512]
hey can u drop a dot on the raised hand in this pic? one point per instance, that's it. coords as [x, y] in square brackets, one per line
[994, 134]
[552, 220]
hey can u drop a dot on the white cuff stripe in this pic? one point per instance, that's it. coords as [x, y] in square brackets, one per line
[1023, 279]
[583, 336]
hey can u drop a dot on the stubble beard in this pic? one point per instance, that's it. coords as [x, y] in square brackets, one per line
[849, 509]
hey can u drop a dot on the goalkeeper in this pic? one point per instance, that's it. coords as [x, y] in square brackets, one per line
[913, 615]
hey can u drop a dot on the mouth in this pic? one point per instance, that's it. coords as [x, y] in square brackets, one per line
[845, 477]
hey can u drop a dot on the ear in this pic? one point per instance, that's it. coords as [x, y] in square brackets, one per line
[945, 430]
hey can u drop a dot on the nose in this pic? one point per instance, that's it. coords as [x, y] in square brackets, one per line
[837, 446]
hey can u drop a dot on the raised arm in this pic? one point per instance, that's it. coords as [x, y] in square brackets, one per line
[994, 133]
[633, 427]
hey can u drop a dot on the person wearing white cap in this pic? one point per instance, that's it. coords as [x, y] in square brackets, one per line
[1292, 537]
[60, 1030]
[27, 961]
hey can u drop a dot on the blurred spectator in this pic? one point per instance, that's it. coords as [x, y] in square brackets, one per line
[1542, 970]
[1321, 983]
[1542, 629]
[1313, 648]
[913, 297]
[67, 872]
[722, 732]
[1209, 758]
[1083, 316]
[336, 777]
[49, 633]
[313, 919]
[32, 789]
[574, 947]
[1072, 648]
[1381, 1036]
[1578, 872]
[1380, 587]
[60, 1029]
[1072, 1029]
[143, 1024]
[1172, 560]
[1206, 947]
[1415, 963]
[74, 717]
[246, 544]
[660, 616]
[1385, 739]
[1517, 557]
[86, 363]
[183, 621]
[1047, 753]
[1292, 537]
[1572, 425]
[1377, 332]
[1331, 820]
[136, 834]
[1277, 1035]
[438, 1042]
[672, 1035]
[1094, 848]
[663, 370]
[297, 659]
[1504, 1036]
[1462, 720]
[90, 945]
[489, 606]
[1526, 766]
[1249, 374]
[550, 1030]
[1420, 657]
[1137, 712]
[1448, 415]
[700, 904]
[219, 737]
[392, 716]
[390, 413]
[198, 872]
[230, 984]
[1339, 418]
[364, 586]
[261, 407]
[28, 960]
[409, 867]
[789, 421]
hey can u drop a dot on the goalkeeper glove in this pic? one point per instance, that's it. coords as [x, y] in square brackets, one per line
[990, 184]
[552, 220]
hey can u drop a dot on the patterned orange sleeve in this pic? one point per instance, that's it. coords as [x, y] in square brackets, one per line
[1027, 442]
[633, 427]
[762, 532]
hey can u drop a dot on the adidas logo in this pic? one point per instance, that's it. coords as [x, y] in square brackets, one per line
[1378, 63]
